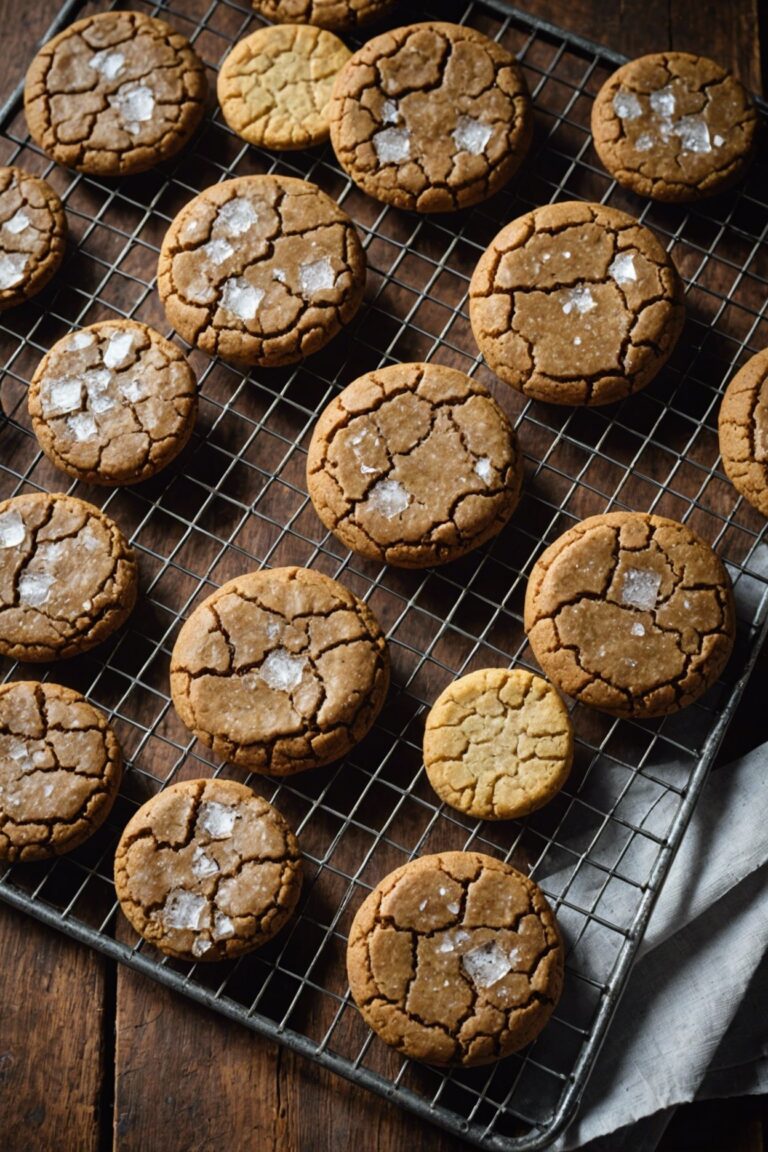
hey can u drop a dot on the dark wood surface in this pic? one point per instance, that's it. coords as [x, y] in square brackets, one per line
[93, 1056]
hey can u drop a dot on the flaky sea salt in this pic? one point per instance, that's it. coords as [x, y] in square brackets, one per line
[118, 349]
[203, 865]
[484, 469]
[35, 588]
[282, 671]
[389, 498]
[223, 927]
[580, 298]
[637, 629]
[693, 132]
[82, 426]
[241, 298]
[392, 145]
[644, 142]
[626, 105]
[12, 529]
[62, 395]
[108, 63]
[218, 250]
[640, 588]
[316, 276]
[486, 964]
[135, 103]
[389, 112]
[471, 135]
[663, 101]
[183, 909]
[17, 223]
[622, 269]
[132, 390]
[200, 946]
[217, 820]
[12, 268]
[80, 340]
[237, 215]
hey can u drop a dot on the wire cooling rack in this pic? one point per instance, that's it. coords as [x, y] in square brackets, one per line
[236, 500]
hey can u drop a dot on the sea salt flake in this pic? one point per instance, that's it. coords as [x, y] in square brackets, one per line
[237, 215]
[17, 223]
[62, 395]
[279, 275]
[282, 671]
[622, 269]
[218, 250]
[109, 64]
[640, 588]
[217, 820]
[389, 112]
[637, 629]
[626, 105]
[644, 142]
[35, 588]
[200, 946]
[484, 469]
[223, 927]
[18, 751]
[579, 298]
[132, 390]
[82, 426]
[80, 340]
[471, 135]
[317, 276]
[446, 945]
[241, 298]
[200, 291]
[118, 349]
[183, 909]
[663, 101]
[47, 790]
[693, 132]
[12, 530]
[135, 104]
[203, 865]
[486, 965]
[453, 908]
[577, 340]
[12, 267]
[718, 141]
[392, 145]
[422, 906]
[389, 498]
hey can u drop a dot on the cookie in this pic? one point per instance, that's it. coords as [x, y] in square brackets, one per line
[275, 85]
[280, 670]
[576, 303]
[68, 577]
[207, 870]
[414, 464]
[498, 744]
[341, 15]
[60, 769]
[431, 117]
[674, 126]
[261, 270]
[743, 428]
[33, 230]
[630, 613]
[113, 403]
[114, 93]
[455, 959]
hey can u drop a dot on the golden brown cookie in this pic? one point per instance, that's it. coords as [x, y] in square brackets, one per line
[60, 769]
[674, 126]
[68, 577]
[743, 427]
[498, 743]
[431, 117]
[414, 464]
[261, 270]
[274, 87]
[33, 230]
[631, 613]
[113, 403]
[341, 15]
[455, 959]
[115, 93]
[576, 303]
[207, 870]
[280, 670]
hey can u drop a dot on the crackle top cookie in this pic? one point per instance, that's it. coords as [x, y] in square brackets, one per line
[576, 303]
[33, 230]
[431, 117]
[113, 403]
[743, 429]
[280, 670]
[60, 769]
[674, 126]
[207, 870]
[68, 577]
[115, 93]
[275, 85]
[342, 15]
[455, 959]
[414, 464]
[630, 613]
[261, 270]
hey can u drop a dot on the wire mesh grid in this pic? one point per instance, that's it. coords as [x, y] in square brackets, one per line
[237, 500]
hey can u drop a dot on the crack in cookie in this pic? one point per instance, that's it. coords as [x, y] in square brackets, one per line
[743, 431]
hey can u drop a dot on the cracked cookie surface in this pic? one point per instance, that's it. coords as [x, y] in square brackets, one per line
[631, 613]
[743, 431]
[115, 93]
[455, 959]
[673, 126]
[207, 870]
[113, 403]
[33, 230]
[414, 464]
[280, 670]
[68, 577]
[431, 117]
[275, 85]
[498, 743]
[576, 303]
[341, 15]
[60, 769]
[261, 270]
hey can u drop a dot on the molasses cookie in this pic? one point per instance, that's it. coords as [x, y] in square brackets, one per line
[498, 743]
[342, 15]
[68, 577]
[280, 670]
[207, 870]
[576, 303]
[275, 85]
[674, 126]
[113, 403]
[60, 769]
[743, 426]
[33, 231]
[115, 93]
[414, 464]
[261, 270]
[455, 959]
[630, 613]
[431, 117]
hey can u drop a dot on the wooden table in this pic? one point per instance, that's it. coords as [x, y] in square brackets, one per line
[93, 1056]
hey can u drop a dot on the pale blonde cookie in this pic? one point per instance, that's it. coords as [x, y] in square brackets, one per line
[498, 743]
